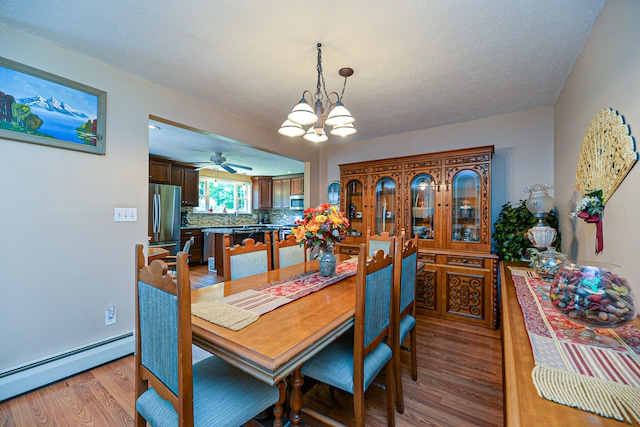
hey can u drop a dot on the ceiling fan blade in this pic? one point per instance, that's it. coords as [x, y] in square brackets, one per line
[239, 166]
[228, 168]
[207, 166]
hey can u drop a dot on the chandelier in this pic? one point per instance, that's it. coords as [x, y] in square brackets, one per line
[330, 114]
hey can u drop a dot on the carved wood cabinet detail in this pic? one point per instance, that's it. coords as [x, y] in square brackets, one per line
[445, 199]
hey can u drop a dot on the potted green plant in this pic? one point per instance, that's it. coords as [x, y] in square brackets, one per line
[511, 228]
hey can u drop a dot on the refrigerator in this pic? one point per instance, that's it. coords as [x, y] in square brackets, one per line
[164, 216]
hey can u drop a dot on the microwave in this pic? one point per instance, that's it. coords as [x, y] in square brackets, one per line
[296, 202]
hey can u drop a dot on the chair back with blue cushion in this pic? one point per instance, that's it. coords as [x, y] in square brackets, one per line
[352, 362]
[163, 326]
[288, 252]
[376, 242]
[247, 259]
[170, 391]
[404, 320]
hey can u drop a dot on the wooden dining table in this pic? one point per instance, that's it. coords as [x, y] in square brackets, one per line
[282, 340]
[156, 252]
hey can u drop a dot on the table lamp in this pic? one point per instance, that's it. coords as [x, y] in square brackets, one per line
[539, 204]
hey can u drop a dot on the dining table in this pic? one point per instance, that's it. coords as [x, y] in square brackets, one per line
[156, 252]
[274, 347]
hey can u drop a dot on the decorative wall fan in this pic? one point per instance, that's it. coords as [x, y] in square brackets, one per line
[606, 156]
[217, 160]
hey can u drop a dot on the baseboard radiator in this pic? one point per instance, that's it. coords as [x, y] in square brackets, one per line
[33, 375]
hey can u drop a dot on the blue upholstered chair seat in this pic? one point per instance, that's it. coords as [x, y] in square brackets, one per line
[334, 364]
[407, 323]
[222, 397]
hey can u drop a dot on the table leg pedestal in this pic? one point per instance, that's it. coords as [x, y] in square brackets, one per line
[295, 397]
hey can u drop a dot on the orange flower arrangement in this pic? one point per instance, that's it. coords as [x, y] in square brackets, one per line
[323, 225]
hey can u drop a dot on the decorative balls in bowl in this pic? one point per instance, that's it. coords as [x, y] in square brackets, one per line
[596, 295]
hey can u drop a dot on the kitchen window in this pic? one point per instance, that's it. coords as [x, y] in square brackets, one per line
[223, 196]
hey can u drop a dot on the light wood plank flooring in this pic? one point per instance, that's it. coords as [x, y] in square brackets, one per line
[459, 384]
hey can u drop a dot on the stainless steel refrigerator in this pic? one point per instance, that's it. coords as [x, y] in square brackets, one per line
[164, 216]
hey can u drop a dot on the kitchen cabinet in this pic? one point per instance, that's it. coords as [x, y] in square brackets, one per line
[297, 185]
[188, 179]
[262, 192]
[445, 199]
[159, 171]
[281, 193]
[195, 253]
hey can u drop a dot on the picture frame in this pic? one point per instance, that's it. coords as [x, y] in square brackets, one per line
[38, 107]
[333, 193]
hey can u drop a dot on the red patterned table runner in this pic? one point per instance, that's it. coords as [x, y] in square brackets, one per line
[242, 309]
[605, 381]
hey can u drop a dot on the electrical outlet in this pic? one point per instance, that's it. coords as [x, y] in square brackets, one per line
[110, 316]
[125, 214]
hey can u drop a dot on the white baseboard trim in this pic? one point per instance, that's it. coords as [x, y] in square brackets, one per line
[45, 372]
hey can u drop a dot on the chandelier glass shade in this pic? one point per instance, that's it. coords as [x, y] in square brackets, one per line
[330, 113]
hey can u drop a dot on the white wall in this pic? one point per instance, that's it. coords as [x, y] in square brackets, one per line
[523, 151]
[606, 75]
[63, 260]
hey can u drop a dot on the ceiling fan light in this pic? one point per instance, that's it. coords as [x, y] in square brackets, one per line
[302, 113]
[339, 116]
[313, 136]
[344, 130]
[289, 128]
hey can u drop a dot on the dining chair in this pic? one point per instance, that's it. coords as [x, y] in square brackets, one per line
[170, 260]
[404, 316]
[403, 233]
[377, 241]
[353, 360]
[287, 252]
[247, 259]
[169, 390]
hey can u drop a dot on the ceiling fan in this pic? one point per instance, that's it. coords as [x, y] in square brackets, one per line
[218, 160]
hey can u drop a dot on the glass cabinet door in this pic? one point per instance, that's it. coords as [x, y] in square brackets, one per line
[354, 203]
[422, 202]
[465, 207]
[385, 206]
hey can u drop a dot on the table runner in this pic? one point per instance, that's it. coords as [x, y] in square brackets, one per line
[239, 310]
[605, 381]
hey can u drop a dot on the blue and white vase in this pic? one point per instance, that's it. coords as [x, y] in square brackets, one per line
[327, 261]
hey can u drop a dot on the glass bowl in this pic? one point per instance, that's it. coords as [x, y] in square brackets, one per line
[547, 264]
[594, 295]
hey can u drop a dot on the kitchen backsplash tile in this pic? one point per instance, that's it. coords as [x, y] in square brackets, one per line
[275, 216]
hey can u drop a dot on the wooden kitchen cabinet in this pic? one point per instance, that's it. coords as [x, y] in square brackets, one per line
[195, 253]
[297, 185]
[159, 171]
[188, 179]
[445, 199]
[281, 193]
[262, 192]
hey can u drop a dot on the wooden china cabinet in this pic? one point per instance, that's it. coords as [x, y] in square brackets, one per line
[445, 199]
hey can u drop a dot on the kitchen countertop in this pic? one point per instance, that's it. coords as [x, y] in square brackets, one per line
[216, 228]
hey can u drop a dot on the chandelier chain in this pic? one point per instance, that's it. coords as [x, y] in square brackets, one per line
[320, 86]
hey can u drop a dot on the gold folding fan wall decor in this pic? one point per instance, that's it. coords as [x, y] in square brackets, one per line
[606, 156]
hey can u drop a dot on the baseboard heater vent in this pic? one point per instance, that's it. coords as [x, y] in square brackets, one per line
[37, 374]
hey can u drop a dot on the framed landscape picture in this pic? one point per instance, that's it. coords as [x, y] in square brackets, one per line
[41, 108]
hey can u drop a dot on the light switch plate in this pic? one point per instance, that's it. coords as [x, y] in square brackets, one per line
[125, 214]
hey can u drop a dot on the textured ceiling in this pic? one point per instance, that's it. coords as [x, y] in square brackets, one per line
[418, 64]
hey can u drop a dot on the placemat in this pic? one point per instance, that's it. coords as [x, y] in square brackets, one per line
[242, 309]
[604, 381]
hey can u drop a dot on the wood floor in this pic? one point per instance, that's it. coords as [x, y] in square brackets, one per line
[459, 384]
